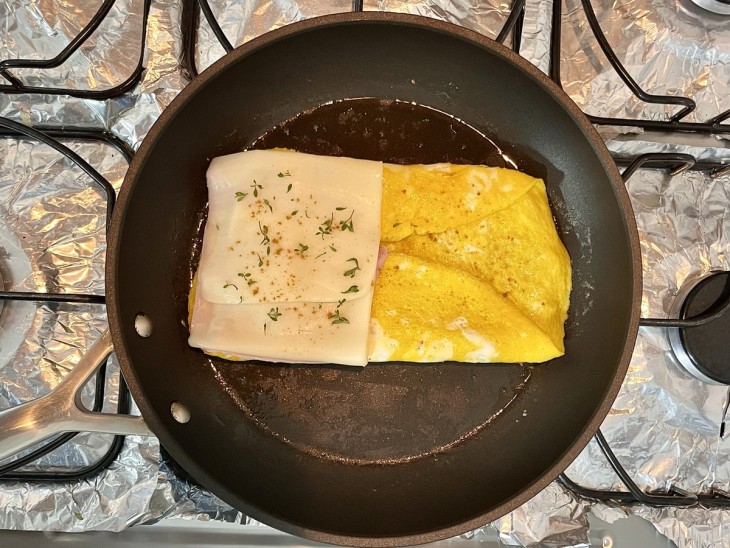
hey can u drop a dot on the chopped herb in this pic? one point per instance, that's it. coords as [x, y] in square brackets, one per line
[320, 255]
[256, 187]
[274, 314]
[79, 516]
[302, 248]
[325, 228]
[351, 272]
[240, 300]
[347, 225]
[288, 188]
[337, 319]
[285, 174]
[396, 224]
[340, 302]
[333, 248]
[294, 213]
[340, 208]
[261, 261]
[217, 226]
[268, 250]
[247, 276]
[264, 231]
[240, 196]
[228, 284]
[264, 328]
[267, 204]
[306, 214]
[352, 289]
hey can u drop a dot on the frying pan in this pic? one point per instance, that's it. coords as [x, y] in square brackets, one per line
[393, 454]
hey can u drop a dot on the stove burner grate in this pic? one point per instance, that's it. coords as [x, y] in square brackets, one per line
[49, 136]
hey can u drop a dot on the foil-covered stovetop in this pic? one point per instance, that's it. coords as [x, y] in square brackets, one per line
[665, 426]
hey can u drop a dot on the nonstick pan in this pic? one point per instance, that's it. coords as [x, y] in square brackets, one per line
[394, 453]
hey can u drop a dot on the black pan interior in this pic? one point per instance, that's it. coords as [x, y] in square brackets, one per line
[337, 482]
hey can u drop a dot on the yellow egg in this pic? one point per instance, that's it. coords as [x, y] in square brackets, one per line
[442, 313]
[515, 250]
[422, 199]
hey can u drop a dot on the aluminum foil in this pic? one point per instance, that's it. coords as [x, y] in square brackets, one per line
[669, 48]
[52, 238]
[664, 425]
[40, 30]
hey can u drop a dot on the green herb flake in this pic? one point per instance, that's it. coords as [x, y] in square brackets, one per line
[285, 174]
[338, 319]
[264, 328]
[351, 272]
[347, 225]
[396, 225]
[240, 196]
[264, 231]
[217, 227]
[256, 187]
[261, 261]
[320, 255]
[333, 248]
[352, 289]
[288, 188]
[274, 314]
[302, 248]
[325, 228]
[341, 302]
[340, 208]
[79, 516]
[229, 284]
[294, 213]
[267, 204]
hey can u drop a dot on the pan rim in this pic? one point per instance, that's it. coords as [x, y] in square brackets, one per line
[557, 94]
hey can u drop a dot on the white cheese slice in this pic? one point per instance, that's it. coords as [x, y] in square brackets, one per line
[289, 258]
[302, 332]
[286, 227]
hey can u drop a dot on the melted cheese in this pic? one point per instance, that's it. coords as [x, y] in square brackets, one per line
[284, 227]
[289, 257]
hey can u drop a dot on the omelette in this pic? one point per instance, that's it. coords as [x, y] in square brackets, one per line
[418, 263]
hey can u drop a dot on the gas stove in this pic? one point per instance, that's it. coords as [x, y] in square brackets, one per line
[81, 85]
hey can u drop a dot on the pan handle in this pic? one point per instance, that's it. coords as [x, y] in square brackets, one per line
[62, 411]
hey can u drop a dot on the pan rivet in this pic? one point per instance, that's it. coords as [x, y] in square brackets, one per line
[143, 325]
[179, 412]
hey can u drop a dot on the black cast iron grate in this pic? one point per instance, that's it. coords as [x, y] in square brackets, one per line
[193, 8]
[49, 136]
[15, 85]
[673, 164]
[675, 123]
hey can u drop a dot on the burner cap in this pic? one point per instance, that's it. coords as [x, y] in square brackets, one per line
[721, 7]
[704, 351]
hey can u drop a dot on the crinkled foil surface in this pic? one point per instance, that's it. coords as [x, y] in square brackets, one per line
[664, 426]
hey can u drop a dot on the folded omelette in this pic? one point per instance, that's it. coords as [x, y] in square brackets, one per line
[377, 262]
